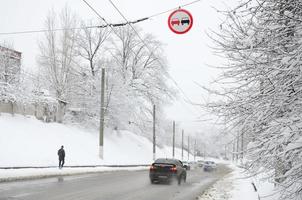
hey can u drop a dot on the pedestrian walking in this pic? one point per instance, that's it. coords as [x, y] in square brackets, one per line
[61, 154]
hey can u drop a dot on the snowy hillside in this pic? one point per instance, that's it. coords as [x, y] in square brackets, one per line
[25, 141]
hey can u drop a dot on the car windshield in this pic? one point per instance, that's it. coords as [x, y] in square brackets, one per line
[166, 161]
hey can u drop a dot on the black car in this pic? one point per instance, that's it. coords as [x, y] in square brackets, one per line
[166, 169]
[185, 20]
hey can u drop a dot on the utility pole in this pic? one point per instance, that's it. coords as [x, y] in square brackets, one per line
[242, 139]
[237, 147]
[102, 117]
[233, 151]
[154, 136]
[188, 148]
[182, 145]
[173, 151]
[194, 153]
[204, 152]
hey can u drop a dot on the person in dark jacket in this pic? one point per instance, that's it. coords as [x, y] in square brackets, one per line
[61, 154]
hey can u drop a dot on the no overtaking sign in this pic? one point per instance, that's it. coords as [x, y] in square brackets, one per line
[180, 21]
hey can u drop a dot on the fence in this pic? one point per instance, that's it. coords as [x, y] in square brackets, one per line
[40, 111]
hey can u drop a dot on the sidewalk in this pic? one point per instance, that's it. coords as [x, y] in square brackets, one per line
[33, 173]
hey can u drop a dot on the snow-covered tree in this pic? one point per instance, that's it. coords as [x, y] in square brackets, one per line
[91, 46]
[91, 50]
[57, 56]
[137, 79]
[261, 86]
[136, 75]
[10, 65]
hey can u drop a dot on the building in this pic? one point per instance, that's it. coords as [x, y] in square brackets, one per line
[10, 65]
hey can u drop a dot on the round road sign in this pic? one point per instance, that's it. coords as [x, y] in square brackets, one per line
[180, 21]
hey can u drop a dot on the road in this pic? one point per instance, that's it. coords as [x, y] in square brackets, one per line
[121, 185]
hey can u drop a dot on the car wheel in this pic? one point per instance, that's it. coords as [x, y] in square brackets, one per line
[179, 179]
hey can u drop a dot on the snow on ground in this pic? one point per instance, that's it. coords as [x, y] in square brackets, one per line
[25, 141]
[237, 186]
[265, 189]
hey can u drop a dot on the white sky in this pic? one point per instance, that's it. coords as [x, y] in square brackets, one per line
[187, 55]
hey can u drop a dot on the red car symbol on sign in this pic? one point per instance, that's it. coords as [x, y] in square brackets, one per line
[180, 21]
[175, 21]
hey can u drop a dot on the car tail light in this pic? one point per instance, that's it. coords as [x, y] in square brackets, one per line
[152, 168]
[173, 169]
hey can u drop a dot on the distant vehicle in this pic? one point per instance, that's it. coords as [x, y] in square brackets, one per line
[186, 165]
[166, 169]
[209, 166]
[192, 162]
[200, 163]
[175, 21]
[185, 20]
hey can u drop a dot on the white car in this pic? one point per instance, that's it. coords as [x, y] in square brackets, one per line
[209, 166]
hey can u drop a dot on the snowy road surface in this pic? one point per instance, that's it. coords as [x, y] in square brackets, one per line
[132, 185]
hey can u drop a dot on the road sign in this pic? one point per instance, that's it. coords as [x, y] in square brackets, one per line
[180, 21]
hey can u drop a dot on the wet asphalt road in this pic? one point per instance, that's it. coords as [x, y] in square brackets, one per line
[121, 185]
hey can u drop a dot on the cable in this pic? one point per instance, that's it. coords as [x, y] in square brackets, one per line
[101, 26]
[149, 49]
[44, 30]
[62, 29]
[181, 6]
[142, 42]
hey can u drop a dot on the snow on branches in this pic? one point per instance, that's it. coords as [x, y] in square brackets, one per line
[262, 41]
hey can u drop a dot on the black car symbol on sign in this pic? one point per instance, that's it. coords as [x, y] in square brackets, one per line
[185, 20]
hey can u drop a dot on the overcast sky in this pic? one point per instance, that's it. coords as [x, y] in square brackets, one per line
[188, 55]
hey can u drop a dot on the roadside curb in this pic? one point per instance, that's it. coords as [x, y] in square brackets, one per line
[72, 166]
[59, 174]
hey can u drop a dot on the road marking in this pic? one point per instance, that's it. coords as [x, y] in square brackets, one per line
[21, 195]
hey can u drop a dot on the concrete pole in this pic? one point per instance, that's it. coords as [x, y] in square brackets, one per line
[242, 145]
[233, 151]
[154, 136]
[204, 152]
[173, 151]
[102, 117]
[194, 153]
[188, 148]
[182, 145]
[237, 147]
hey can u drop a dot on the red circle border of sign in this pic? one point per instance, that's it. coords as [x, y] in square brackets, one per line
[180, 32]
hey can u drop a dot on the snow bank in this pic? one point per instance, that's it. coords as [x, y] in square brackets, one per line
[232, 187]
[20, 174]
[237, 186]
[25, 141]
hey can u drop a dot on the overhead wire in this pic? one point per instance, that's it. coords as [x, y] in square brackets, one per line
[144, 43]
[138, 35]
[172, 9]
[77, 28]
[186, 98]
[42, 30]
[99, 26]
[111, 25]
